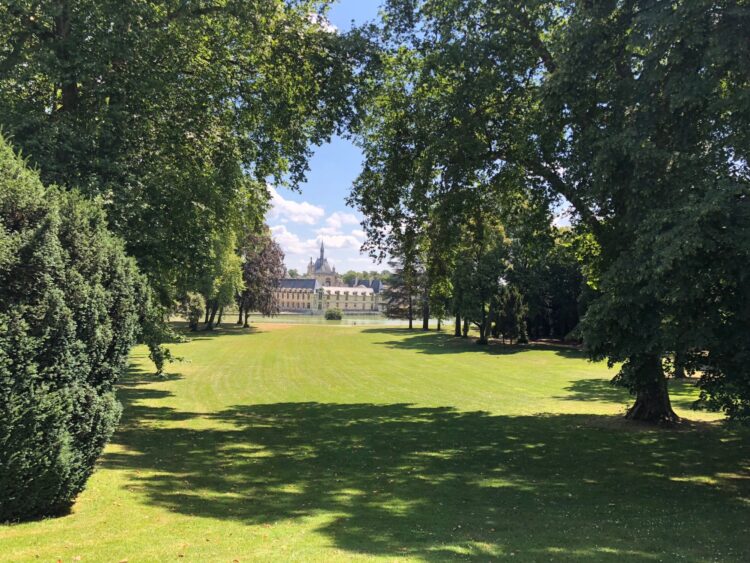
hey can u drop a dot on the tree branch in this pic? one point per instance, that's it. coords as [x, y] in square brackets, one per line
[536, 41]
[564, 189]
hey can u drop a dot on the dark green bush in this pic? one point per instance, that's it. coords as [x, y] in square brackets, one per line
[69, 310]
[334, 315]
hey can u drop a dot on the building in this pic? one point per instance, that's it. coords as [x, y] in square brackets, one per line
[322, 272]
[324, 289]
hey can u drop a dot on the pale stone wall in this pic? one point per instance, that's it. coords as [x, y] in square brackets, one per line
[348, 299]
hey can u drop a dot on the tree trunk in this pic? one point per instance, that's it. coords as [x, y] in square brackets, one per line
[425, 315]
[439, 324]
[679, 366]
[465, 333]
[221, 315]
[247, 321]
[411, 313]
[214, 309]
[457, 328]
[652, 402]
[239, 320]
[208, 312]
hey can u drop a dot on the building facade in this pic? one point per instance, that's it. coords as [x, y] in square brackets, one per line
[323, 289]
[309, 297]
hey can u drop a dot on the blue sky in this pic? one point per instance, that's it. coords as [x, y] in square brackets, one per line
[300, 221]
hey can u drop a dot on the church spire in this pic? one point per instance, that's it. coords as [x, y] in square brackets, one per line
[322, 252]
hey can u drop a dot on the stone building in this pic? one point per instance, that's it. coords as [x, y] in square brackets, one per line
[322, 272]
[324, 289]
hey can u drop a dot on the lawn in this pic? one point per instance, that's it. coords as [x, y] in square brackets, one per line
[321, 443]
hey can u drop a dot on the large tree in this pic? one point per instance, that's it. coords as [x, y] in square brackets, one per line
[632, 113]
[175, 112]
[262, 270]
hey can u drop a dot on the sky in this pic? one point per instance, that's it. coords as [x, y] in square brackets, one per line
[300, 221]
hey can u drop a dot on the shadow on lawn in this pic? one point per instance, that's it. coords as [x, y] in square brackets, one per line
[439, 484]
[442, 343]
[225, 329]
[682, 392]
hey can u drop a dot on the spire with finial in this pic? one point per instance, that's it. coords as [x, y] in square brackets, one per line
[322, 251]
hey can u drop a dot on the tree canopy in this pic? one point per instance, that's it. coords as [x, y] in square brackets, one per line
[629, 113]
[174, 112]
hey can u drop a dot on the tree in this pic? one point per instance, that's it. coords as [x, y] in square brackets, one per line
[407, 283]
[629, 112]
[70, 301]
[192, 307]
[174, 112]
[224, 279]
[262, 270]
[547, 272]
[334, 314]
[511, 314]
[350, 277]
[293, 273]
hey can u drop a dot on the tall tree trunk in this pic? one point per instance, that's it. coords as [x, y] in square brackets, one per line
[679, 366]
[652, 402]
[411, 313]
[239, 320]
[214, 309]
[439, 324]
[465, 332]
[221, 315]
[457, 328]
[425, 315]
[208, 312]
[247, 320]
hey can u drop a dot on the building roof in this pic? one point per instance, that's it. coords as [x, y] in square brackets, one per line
[298, 283]
[347, 289]
[376, 285]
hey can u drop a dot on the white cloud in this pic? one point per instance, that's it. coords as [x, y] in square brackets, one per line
[337, 220]
[323, 231]
[291, 243]
[341, 241]
[359, 233]
[294, 211]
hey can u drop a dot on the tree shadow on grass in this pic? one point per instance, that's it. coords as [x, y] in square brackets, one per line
[441, 343]
[440, 484]
[683, 393]
[225, 329]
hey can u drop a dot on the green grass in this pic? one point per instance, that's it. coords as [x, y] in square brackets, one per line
[350, 443]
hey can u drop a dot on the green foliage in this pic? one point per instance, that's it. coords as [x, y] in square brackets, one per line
[175, 112]
[192, 307]
[548, 273]
[262, 270]
[334, 314]
[350, 277]
[633, 114]
[70, 301]
[511, 314]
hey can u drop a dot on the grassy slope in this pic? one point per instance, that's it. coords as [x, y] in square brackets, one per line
[328, 443]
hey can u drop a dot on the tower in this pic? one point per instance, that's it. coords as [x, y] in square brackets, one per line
[322, 252]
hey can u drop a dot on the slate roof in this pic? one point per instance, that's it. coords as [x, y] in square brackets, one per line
[298, 283]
